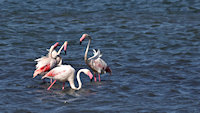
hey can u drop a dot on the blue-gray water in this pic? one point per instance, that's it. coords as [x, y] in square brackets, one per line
[152, 47]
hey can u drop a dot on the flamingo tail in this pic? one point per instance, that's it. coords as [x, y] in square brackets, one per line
[36, 72]
[40, 70]
[108, 70]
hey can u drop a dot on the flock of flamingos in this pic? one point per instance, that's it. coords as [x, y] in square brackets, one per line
[50, 66]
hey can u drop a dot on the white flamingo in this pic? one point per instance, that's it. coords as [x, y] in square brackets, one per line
[97, 64]
[45, 63]
[65, 73]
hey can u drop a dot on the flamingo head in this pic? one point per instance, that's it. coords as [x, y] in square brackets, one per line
[90, 75]
[56, 44]
[65, 46]
[83, 37]
[87, 72]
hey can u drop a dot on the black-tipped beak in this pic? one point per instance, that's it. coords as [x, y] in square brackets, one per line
[65, 52]
[91, 80]
[80, 43]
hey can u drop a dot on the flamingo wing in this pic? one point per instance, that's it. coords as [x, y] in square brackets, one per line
[45, 61]
[44, 65]
[96, 55]
[39, 59]
[98, 65]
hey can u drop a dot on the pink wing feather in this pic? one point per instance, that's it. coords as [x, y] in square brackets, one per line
[44, 64]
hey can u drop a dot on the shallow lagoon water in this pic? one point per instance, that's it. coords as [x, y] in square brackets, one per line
[152, 47]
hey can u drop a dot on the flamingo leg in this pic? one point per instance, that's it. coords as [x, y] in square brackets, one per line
[51, 85]
[99, 78]
[95, 78]
[63, 87]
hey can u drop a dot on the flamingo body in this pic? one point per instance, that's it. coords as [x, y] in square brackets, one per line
[65, 73]
[45, 63]
[61, 73]
[95, 62]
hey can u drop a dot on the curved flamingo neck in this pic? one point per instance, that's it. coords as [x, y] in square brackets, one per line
[60, 63]
[78, 79]
[86, 51]
[50, 51]
[59, 51]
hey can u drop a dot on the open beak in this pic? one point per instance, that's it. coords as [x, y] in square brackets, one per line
[65, 47]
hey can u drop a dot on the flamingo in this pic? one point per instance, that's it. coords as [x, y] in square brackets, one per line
[46, 63]
[97, 64]
[65, 73]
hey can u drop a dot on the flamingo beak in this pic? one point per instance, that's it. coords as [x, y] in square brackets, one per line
[80, 43]
[65, 47]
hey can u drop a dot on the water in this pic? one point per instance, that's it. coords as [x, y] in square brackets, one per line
[152, 47]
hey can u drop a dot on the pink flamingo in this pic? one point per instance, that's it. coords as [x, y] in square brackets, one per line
[65, 73]
[46, 63]
[97, 64]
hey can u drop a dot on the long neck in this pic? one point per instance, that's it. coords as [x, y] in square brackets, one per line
[86, 51]
[50, 51]
[59, 51]
[79, 81]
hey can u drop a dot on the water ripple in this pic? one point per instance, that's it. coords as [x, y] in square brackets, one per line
[152, 48]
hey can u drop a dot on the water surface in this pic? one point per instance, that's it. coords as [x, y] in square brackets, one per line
[152, 47]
